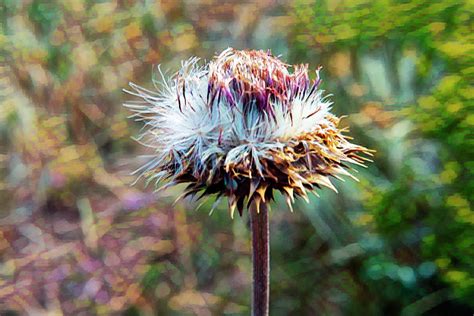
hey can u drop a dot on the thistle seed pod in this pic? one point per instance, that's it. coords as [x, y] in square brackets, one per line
[241, 127]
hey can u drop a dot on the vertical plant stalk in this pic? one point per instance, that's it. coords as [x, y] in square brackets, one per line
[244, 128]
[260, 260]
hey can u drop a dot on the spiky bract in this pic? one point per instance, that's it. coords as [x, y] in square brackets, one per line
[241, 127]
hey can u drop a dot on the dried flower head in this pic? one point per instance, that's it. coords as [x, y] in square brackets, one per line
[243, 126]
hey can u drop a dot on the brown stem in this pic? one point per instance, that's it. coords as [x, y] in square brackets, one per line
[260, 260]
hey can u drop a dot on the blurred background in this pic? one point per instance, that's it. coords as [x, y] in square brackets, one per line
[77, 239]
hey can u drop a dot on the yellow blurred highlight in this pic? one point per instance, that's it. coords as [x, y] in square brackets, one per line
[437, 27]
[456, 49]
[344, 31]
[448, 84]
[443, 263]
[454, 107]
[365, 219]
[185, 41]
[88, 223]
[340, 64]
[103, 24]
[456, 276]
[84, 56]
[190, 298]
[456, 200]
[428, 102]
[470, 119]
[132, 31]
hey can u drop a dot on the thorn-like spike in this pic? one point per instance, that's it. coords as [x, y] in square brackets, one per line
[261, 191]
[304, 195]
[232, 210]
[214, 205]
[253, 186]
[289, 191]
[198, 207]
[315, 193]
[339, 178]
[232, 200]
[290, 205]
[324, 180]
[164, 187]
[346, 173]
[257, 200]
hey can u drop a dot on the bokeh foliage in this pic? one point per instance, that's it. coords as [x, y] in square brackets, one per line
[420, 202]
[76, 238]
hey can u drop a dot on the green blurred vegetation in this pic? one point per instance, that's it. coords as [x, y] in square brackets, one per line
[76, 238]
[420, 54]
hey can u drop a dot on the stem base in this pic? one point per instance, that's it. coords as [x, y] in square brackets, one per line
[260, 259]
